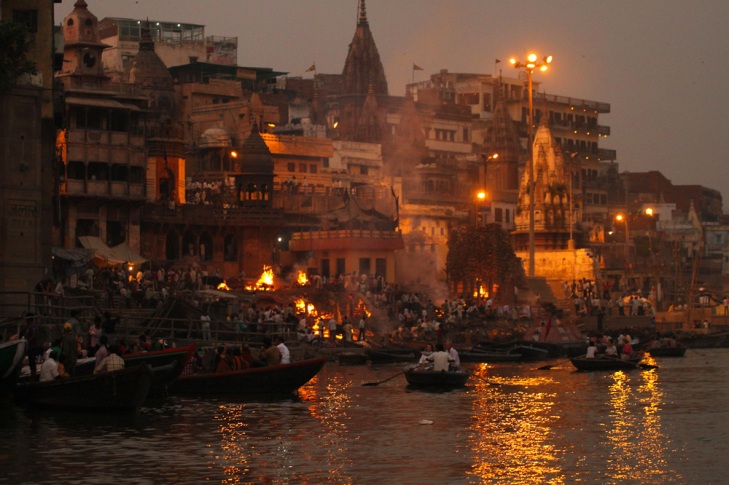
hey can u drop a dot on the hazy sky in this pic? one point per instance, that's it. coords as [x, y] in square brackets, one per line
[662, 65]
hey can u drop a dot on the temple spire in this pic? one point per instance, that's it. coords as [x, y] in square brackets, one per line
[362, 13]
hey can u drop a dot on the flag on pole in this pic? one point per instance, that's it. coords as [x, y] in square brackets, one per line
[497, 61]
[312, 68]
[416, 67]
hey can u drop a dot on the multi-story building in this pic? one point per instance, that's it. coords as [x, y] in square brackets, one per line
[27, 154]
[176, 44]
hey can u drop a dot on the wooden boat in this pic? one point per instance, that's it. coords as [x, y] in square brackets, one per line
[605, 363]
[489, 356]
[441, 380]
[167, 366]
[352, 358]
[11, 361]
[391, 355]
[122, 390]
[256, 381]
[677, 351]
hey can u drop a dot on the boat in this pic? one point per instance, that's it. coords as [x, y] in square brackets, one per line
[489, 356]
[352, 358]
[121, 390]
[167, 366]
[557, 338]
[677, 351]
[437, 380]
[606, 363]
[12, 354]
[391, 355]
[256, 381]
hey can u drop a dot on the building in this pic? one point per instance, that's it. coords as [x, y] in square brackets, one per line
[27, 155]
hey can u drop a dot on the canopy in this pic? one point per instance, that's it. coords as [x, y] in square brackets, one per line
[106, 256]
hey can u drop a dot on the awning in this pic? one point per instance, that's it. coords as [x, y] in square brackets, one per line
[101, 103]
[106, 256]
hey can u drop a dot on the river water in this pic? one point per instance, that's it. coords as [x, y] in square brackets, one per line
[513, 424]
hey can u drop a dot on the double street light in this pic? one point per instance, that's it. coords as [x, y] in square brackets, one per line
[529, 66]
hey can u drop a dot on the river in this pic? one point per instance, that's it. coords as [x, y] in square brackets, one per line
[513, 424]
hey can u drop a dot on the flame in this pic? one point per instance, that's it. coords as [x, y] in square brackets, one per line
[307, 308]
[302, 279]
[265, 282]
[362, 309]
[481, 292]
[223, 286]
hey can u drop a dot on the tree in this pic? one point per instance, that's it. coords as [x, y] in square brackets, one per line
[482, 253]
[13, 55]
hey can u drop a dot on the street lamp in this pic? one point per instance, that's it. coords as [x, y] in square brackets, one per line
[481, 196]
[624, 218]
[529, 67]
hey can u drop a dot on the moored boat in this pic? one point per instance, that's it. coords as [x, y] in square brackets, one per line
[489, 356]
[256, 381]
[391, 355]
[437, 380]
[121, 390]
[12, 354]
[352, 358]
[605, 363]
[677, 351]
[166, 365]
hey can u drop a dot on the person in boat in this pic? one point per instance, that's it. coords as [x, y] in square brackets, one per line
[246, 356]
[112, 362]
[69, 348]
[425, 354]
[102, 352]
[270, 355]
[31, 333]
[611, 350]
[278, 341]
[221, 361]
[440, 359]
[627, 351]
[452, 354]
[142, 343]
[591, 350]
[95, 333]
[49, 368]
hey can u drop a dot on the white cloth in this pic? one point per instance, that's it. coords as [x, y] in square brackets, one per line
[440, 360]
[49, 370]
[453, 355]
[285, 354]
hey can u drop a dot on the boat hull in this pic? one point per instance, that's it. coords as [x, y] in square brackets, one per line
[429, 379]
[391, 355]
[256, 381]
[604, 364]
[167, 366]
[122, 390]
[667, 352]
[11, 361]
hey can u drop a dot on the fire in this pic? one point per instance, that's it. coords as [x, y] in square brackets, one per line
[481, 292]
[306, 308]
[223, 286]
[265, 282]
[302, 279]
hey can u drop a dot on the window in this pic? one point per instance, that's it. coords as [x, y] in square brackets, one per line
[312, 169]
[28, 18]
[302, 167]
[364, 170]
[498, 215]
[291, 167]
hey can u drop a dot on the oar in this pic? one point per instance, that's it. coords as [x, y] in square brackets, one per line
[549, 367]
[384, 380]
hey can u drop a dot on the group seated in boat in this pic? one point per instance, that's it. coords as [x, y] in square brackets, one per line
[439, 359]
[607, 347]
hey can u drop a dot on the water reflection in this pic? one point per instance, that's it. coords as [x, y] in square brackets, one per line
[510, 435]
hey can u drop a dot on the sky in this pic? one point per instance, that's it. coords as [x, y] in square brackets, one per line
[662, 65]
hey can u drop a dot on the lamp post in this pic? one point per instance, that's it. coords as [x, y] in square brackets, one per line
[529, 67]
[481, 196]
[624, 218]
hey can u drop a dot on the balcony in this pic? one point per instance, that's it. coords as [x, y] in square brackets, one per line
[350, 239]
[210, 215]
[105, 189]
